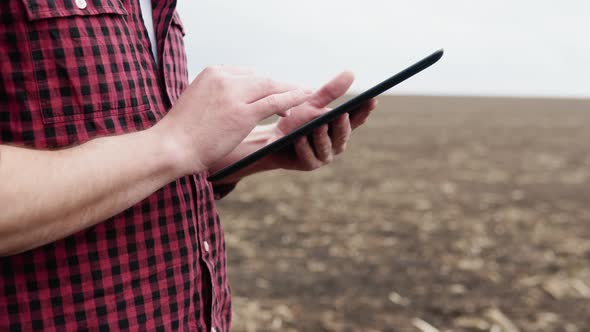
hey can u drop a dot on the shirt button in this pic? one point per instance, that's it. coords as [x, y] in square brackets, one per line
[206, 246]
[82, 4]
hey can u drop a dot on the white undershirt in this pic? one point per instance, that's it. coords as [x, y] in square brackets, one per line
[148, 21]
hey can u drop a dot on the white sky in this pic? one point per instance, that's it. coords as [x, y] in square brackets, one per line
[500, 47]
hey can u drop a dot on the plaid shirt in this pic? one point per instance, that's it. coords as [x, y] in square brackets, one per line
[73, 70]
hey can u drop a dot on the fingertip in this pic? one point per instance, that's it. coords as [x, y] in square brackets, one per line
[370, 105]
[341, 119]
[348, 74]
[346, 78]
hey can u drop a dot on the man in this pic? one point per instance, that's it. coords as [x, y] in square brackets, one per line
[107, 221]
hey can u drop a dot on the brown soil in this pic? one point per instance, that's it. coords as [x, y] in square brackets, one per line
[462, 214]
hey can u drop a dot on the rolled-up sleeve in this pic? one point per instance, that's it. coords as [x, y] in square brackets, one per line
[222, 190]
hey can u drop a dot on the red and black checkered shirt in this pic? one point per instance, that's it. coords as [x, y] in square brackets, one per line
[73, 70]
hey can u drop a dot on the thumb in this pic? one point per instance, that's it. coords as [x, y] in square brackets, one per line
[332, 90]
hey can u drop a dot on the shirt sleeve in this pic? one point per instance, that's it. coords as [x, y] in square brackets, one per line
[222, 190]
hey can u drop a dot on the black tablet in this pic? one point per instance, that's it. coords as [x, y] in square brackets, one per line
[328, 117]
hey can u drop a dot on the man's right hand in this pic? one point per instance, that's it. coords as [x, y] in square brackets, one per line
[48, 195]
[218, 110]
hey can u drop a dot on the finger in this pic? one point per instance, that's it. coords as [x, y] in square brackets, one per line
[341, 131]
[258, 87]
[278, 103]
[332, 90]
[322, 144]
[372, 104]
[305, 155]
[360, 116]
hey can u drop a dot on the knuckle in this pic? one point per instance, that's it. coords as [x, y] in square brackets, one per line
[268, 84]
[272, 103]
[207, 70]
[219, 82]
[245, 71]
[297, 97]
[293, 98]
[211, 70]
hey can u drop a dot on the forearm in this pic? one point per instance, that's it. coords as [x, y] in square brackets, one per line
[48, 195]
[258, 138]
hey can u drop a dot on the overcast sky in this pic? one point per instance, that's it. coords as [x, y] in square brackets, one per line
[500, 47]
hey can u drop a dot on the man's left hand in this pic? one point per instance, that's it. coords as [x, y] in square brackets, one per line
[326, 141]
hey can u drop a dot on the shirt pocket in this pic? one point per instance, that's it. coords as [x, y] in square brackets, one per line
[85, 59]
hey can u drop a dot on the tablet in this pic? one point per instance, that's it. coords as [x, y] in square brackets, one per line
[328, 117]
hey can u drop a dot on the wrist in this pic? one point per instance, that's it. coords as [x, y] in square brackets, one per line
[172, 151]
[260, 136]
[276, 160]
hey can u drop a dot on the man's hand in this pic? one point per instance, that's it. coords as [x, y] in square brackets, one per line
[48, 195]
[218, 110]
[326, 141]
